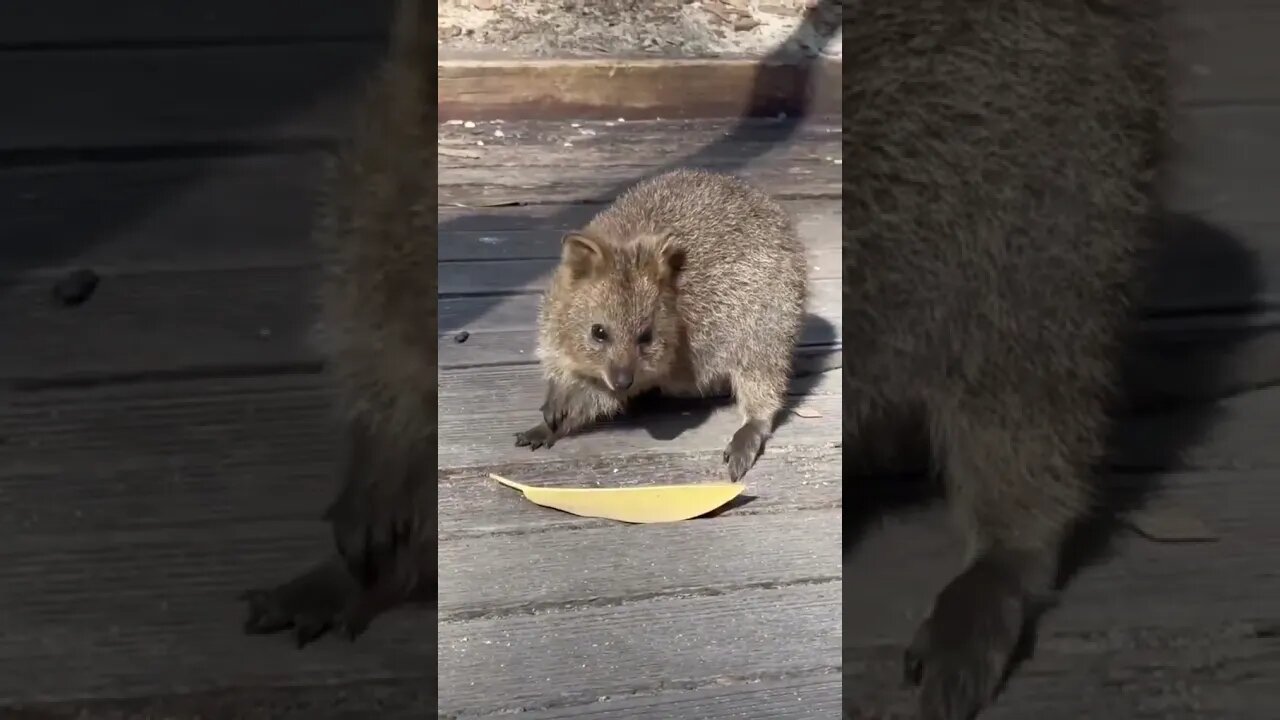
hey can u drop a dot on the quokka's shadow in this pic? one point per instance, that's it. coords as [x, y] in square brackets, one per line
[667, 418]
[1172, 375]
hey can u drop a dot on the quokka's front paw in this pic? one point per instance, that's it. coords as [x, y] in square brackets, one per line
[324, 598]
[743, 449]
[538, 436]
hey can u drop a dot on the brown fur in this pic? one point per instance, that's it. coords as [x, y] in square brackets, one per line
[1001, 158]
[377, 235]
[712, 270]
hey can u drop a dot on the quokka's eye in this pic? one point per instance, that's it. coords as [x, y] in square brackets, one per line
[645, 337]
[598, 333]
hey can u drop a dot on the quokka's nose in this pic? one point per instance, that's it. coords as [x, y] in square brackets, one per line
[621, 378]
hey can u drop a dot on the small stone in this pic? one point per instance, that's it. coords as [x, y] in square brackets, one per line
[76, 287]
[498, 133]
[568, 144]
[461, 337]
[453, 122]
[468, 124]
[746, 23]
[480, 143]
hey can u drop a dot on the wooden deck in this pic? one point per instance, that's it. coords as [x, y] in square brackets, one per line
[165, 444]
[553, 613]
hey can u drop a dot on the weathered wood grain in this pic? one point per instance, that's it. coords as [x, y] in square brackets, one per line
[1209, 44]
[481, 187]
[163, 214]
[76, 22]
[519, 574]
[641, 87]
[197, 95]
[635, 143]
[645, 645]
[1127, 672]
[799, 698]
[76, 603]
[787, 478]
[403, 699]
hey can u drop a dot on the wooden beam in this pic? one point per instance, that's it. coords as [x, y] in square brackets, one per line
[637, 89]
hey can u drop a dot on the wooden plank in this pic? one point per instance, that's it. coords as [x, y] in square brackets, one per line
[168, 326]
[1217, 49]
[794, 478]
[174, 589]
[636, 88]
[481, 187]
[404, 699]
[817, 223]
[25, 23]
[173, 97]
[559, 569]
[807, 696]
[164, 214]
[634, 143]
[642, 645]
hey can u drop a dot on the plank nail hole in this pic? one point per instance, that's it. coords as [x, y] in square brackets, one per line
[76, 287]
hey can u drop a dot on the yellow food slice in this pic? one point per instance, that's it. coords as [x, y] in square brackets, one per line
[648, 504]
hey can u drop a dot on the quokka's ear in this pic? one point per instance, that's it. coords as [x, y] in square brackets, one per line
[668, 258]
[581, 254]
